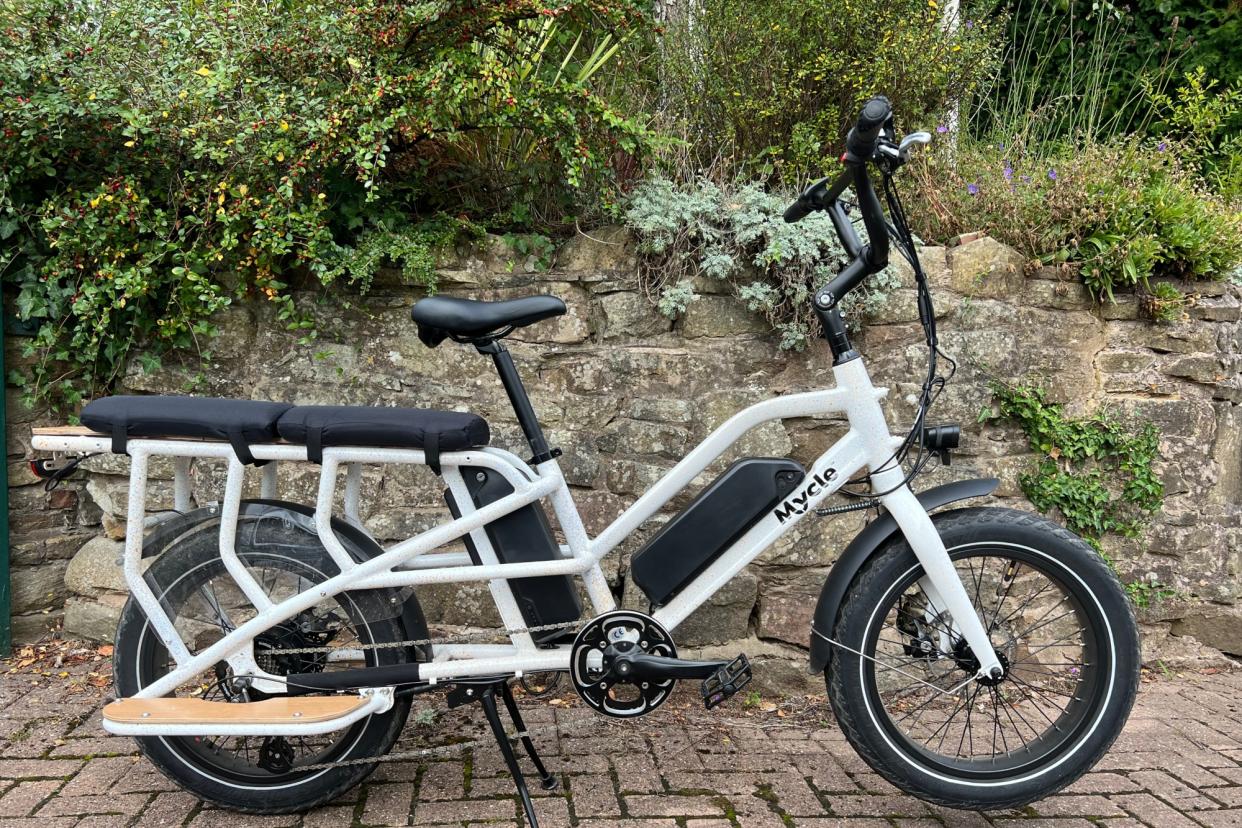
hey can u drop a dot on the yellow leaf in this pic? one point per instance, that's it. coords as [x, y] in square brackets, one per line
[280, 156]
[129, 143]
[203, 71]
[243, 189]
[284, 126]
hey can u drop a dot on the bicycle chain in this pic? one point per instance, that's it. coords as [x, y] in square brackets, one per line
[422, 642]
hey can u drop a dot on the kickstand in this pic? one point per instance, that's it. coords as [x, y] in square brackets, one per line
[547, 780]
[488, 700]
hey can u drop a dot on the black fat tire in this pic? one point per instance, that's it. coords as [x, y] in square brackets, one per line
[876, 578]
[136, 646]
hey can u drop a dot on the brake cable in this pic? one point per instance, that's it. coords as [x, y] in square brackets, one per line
[934, 383]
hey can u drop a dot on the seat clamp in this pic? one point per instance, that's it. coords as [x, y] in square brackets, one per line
[550, 454]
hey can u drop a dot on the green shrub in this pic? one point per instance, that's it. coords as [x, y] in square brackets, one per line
[160, 159]
[737, 234]
[776, 84]
[1120, 212]
[1206, 120]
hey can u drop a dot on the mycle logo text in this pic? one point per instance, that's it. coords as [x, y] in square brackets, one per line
[799, 503]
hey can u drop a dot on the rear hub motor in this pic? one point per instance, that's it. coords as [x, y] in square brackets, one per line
[602, 681]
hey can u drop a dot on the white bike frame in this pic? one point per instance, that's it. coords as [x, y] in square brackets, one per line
[868, 444]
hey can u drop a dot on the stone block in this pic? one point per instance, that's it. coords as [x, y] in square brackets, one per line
[986, 268]
[34, 626]
[636, 437]
[38, 587]
[94, 619]
[629, 315]
[1227, 452]
[605, 250]
[724, 617]
[1066, 294]
[720, 316]
[1202, 368]
[1217, 627]
[787, 607]
[97, 568]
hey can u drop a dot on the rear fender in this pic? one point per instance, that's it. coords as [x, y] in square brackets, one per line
[360, 546]
[874, 537]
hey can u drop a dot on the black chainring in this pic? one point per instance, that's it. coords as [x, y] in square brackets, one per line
[590, 669]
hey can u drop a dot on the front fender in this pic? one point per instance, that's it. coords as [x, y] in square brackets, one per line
[866, 543]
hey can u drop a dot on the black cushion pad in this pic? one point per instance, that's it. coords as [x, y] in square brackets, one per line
[346, 425]
[205, 417]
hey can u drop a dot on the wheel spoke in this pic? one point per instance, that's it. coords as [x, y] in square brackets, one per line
[1028, 707]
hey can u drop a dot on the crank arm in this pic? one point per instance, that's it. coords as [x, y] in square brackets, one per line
[643, 666]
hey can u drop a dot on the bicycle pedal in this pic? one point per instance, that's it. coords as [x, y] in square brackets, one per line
[726, 681]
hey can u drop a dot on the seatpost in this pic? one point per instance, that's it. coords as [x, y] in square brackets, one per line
[520, 401]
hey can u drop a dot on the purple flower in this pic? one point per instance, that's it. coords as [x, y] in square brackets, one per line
[1052, 174]
[970, 24]
[973, 189]
[941, 128]
[1162, 146]
[1008, 172]
[1001, 145]
[1026, 179]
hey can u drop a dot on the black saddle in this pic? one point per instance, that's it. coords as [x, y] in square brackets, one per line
[441, 317]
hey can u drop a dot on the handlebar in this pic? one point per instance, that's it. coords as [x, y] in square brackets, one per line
[861, 144]
[799, 210]
[862, 139]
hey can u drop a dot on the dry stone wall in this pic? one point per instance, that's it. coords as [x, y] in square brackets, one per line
[625, 392]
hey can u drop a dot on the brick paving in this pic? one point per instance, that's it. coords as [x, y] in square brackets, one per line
[1178, 763]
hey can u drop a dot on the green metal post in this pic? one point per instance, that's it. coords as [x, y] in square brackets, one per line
[6, 595]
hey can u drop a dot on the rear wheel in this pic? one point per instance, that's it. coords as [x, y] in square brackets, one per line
[260, 774]
[1067, 641]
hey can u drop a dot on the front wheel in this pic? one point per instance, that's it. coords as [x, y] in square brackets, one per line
[1067, 641]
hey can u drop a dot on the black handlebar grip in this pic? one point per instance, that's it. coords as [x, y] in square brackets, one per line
[863, 137]
[797, 211]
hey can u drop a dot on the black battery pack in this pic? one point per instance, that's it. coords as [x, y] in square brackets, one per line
[723, 512]
[522, 536]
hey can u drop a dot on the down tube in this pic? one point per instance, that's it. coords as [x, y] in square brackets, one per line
[827, 475]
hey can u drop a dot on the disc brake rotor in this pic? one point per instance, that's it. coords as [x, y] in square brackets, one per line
[592, 674]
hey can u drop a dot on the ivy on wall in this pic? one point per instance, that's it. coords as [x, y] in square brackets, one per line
[1095, 470]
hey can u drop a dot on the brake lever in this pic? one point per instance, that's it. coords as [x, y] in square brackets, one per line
[910, 141]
